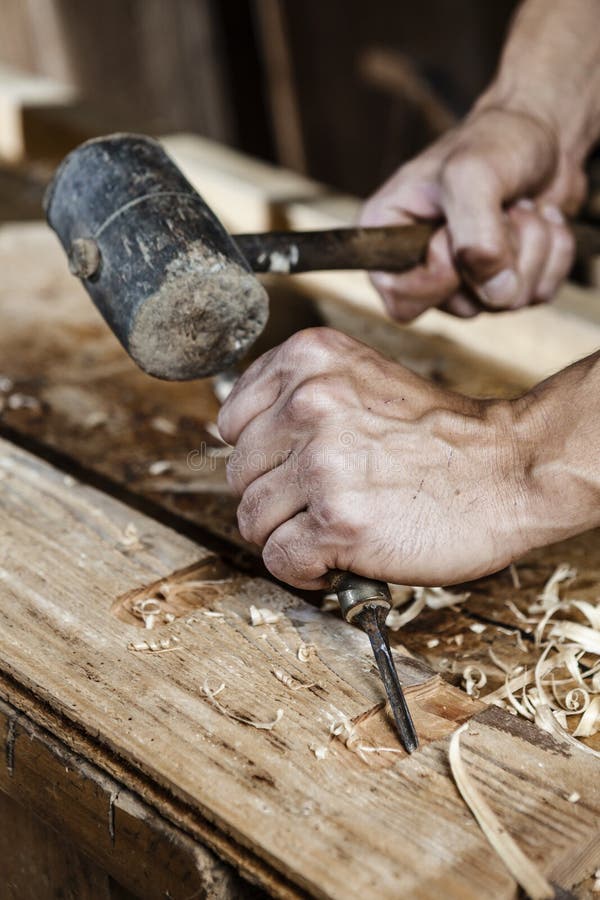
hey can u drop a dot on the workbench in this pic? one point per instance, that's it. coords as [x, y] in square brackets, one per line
[195, 758]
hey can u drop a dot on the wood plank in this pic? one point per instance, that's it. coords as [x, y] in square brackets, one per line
[18, 90]
[334, 827]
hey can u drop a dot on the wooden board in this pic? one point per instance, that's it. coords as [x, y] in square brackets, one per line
[333, 827]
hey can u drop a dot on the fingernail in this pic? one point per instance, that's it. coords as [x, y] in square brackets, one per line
[553, 214]
[501, 289]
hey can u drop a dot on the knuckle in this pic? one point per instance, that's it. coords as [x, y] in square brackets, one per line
[314, 344]
[282, 560]
[339, 514]
[463, 166]
[309, 397]
[248, 516]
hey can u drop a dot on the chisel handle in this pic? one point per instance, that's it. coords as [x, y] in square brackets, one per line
[354, 591]
[389, 249]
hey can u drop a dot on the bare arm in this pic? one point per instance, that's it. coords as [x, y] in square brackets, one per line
[505, 177]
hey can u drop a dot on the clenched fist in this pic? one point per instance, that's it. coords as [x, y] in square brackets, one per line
[346, 460]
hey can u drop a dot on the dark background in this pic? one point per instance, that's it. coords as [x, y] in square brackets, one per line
[343, 90]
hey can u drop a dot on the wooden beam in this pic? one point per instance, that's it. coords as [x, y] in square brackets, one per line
[338, 826]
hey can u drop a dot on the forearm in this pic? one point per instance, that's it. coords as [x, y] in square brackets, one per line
[550, 68]
[557, 426]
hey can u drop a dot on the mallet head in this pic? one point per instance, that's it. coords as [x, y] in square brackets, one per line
[154, 258]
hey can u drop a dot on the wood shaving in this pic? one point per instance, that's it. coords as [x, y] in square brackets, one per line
[440, 598]
[23, 401]
[551, 592]
[95, 419]
[6, 384]
[147, 609]
[264, 616]
[343, 728]
[211, 696]
[396, 619]
[520, 867]
[474, 679]
[305, 651]
[329, 603]
[130, 539]
[213, 614]
[574, 797]
[290, 682]
[514, 574]
[432, 642]
[319, 751]
[477, 627]
[158, 646]
[165, 426]
[160, 467]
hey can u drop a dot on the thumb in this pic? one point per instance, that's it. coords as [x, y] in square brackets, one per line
[480, 235]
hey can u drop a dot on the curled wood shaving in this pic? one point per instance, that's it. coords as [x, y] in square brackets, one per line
[432, 642]
[264, 616]
[474, 679]
[396, 619]
[305, 651]
[546, 720]
[520, 867]
[130, 539]
[551, 592]
[430, 597]
[477, 627]
[147, 609]
[290, 682]
[343, 728]
[211, 696]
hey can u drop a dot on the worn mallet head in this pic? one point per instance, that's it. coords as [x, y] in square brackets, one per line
[154, 258]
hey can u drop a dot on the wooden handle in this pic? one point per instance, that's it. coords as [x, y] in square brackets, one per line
[389, 249]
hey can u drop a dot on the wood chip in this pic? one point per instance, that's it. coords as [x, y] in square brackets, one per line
[520, 867]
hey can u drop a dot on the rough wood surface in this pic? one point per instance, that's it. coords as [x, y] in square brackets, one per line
[334, 827]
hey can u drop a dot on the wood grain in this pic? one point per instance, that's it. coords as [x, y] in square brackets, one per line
[333, 827]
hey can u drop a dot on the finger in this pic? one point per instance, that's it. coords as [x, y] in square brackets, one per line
[303, 354]
[463, 306]
[409, 294]
[292, 554]
[560, 254]
[532, 236]
[270, 501]
[473, 198]
[265, 443]
[264, 387]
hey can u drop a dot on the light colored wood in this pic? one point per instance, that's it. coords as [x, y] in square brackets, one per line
[246, 193]
[335, 827]
[17, 91]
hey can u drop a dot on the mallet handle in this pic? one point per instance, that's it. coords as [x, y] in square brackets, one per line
[389, 249]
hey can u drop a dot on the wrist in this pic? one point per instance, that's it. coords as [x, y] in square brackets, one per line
[556, 469]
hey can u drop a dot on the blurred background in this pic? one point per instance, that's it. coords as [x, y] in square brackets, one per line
[341, 90]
